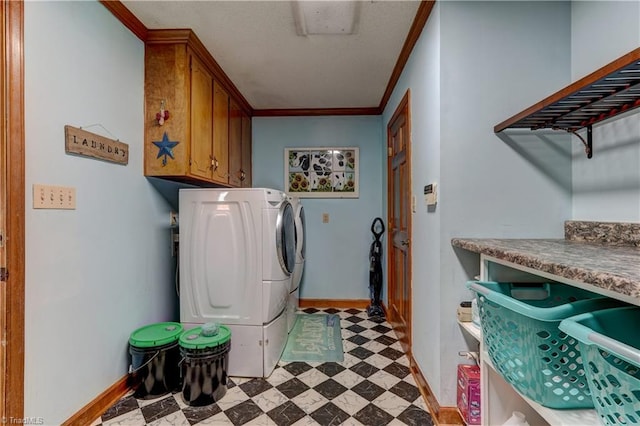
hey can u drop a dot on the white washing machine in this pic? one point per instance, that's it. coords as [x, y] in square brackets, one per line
[237, 256]
[294, 292]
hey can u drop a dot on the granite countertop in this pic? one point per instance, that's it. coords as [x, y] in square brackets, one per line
[611, 265]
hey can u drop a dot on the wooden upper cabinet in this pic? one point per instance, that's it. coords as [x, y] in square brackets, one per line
[201, 120]
[220, 134]
[235, 144]
[202, 141]
[166, 146]
[245, 171]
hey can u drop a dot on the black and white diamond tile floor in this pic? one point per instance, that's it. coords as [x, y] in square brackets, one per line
[372, 387]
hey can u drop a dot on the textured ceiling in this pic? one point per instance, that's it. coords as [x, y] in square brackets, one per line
[255, 43]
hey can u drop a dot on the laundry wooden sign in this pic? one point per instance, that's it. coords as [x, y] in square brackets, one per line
[87, 144]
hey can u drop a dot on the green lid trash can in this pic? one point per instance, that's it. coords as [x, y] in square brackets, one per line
[155, 358]
[205, 353]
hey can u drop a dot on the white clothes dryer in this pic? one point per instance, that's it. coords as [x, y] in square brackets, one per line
[237, 256]
[294, 293]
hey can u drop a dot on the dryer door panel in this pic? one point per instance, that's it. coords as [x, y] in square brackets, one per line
[221, 278]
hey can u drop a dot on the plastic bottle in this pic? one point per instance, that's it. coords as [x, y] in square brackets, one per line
[516, 419]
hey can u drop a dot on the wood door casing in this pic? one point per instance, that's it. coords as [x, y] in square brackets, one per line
[399, 222]
[13, 207]
[3, 206]
[201, 119]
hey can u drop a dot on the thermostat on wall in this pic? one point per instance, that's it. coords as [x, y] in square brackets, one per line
[430, 194]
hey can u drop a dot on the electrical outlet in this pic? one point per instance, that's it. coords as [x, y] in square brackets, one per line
[54, 197]
[325, 217]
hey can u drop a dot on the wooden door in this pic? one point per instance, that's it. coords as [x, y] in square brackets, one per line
[246, 151]
[220, 134]
[201, 119]
[235, 144]
[399, 228]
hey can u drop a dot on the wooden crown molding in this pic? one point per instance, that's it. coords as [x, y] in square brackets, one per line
[130, 21]
[127, 18]
[423, 13]
[299, 112]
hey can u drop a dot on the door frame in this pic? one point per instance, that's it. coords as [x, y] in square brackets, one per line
[12, 141]
[404, 106]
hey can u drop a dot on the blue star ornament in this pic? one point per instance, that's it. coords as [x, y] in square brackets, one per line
[165, 148]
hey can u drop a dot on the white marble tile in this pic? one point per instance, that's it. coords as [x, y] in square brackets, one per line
[145, 402]
[378, 361]
[374, 346]
[403, 360]
[270, 399]
[396, 422]
[349, 360]
[397, 346]
[351, 422]
[241, 380]
[370, 334]
[409, 379]
[219, 419]
[132, 418]
[312, 377]
[279, 376]
[348, 378]
[350, 402]
[96, 422]
[173, 419]
[348, 346]
[306, 421]
[391, 403]
[262, 420]
[309, 400]
[383, 379]
[233, 397]
[347, 333]
[421, 403]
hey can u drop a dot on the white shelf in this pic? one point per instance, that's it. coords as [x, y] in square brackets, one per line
[471, 328]
[582, 417]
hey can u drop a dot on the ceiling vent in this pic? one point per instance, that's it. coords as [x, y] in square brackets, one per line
[326, 17]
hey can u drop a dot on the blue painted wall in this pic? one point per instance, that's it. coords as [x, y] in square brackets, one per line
[96, 273]
[476, 64]
[337, 265]
[607, 186]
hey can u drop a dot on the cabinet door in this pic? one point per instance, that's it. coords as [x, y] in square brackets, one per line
[235, 144]
[201, 120]
[245, 175]
[220, 134]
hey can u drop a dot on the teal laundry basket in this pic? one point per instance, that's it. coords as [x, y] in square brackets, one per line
[610, 345]
[520, 333]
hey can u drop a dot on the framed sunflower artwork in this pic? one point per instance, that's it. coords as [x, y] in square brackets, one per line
[312, 172]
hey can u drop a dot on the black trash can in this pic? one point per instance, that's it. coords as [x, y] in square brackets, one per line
[204, 365]
[155, 358]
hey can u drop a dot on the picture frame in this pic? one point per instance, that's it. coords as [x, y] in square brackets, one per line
[322, 172]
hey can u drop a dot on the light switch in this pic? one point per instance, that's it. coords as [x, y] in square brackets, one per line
[54, 197]
[325, 217]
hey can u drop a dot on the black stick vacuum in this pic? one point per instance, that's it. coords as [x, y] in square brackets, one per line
[375, 270]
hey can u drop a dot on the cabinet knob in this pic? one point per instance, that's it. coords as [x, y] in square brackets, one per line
[214, 163]
[242, 175]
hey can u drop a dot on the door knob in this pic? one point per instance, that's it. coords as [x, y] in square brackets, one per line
[405, 243]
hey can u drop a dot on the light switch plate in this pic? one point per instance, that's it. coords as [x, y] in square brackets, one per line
[54, 197]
